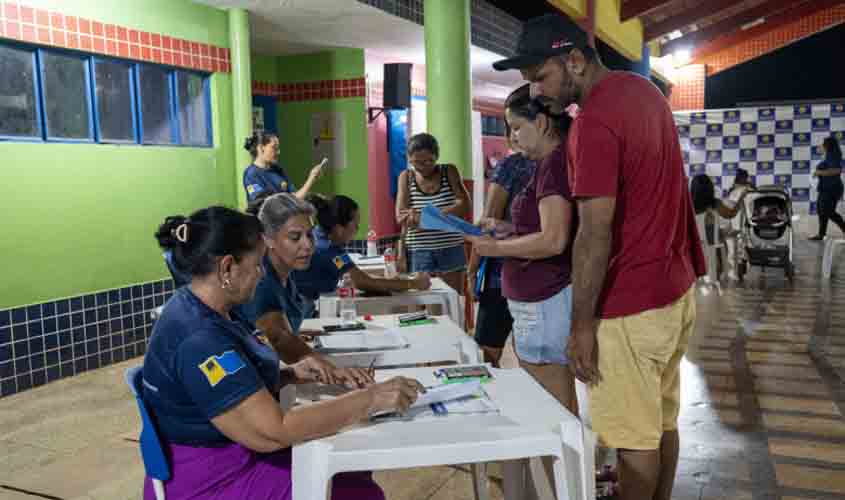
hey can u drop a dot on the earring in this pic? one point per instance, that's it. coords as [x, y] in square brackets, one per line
[226, 284]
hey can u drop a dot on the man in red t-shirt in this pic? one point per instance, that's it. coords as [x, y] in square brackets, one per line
[636, 254]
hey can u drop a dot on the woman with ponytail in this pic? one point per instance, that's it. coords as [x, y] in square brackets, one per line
[265, 176]
[337, 223]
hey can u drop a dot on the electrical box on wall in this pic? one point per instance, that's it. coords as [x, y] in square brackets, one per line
[328, 139]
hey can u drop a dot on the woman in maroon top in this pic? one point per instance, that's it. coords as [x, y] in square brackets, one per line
[536, 246]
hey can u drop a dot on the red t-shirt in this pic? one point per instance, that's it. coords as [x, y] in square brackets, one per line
[624, 145]
[536, 280]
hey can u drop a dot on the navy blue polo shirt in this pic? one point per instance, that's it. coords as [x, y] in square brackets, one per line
[272, 296]
[830, 183]
[199, 365]
[328, 264]
[270, 180]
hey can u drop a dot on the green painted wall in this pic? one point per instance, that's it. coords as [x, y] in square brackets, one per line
[329, 65]
[295, 155]
[265, 68]
[80, 218]
[295, 124]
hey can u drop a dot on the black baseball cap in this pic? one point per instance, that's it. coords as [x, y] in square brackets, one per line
[543, 37]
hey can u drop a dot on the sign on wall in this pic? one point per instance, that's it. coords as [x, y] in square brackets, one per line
[328, 139]
[258, 118]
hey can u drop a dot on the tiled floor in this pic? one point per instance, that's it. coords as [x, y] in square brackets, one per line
[762, 417]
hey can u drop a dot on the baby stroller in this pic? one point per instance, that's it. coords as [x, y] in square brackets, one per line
[766, 235]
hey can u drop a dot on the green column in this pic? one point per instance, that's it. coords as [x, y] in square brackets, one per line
[448, 86]
[241, 93]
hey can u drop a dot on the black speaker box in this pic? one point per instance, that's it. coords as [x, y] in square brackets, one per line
[397, 86]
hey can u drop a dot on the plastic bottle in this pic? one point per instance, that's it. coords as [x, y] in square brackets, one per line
[346, 293]
[390, 263]
[372, 244]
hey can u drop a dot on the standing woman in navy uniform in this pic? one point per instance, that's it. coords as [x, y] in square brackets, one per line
[265, 175]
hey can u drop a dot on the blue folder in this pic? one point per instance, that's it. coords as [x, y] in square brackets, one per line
[433, 219]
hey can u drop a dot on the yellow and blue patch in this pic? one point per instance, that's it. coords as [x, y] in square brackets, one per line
[254, 188]
[283, 186]
[216, 368]
[342, 261]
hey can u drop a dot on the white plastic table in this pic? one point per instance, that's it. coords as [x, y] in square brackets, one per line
[531, 423]
[440, 293]
[438, 342]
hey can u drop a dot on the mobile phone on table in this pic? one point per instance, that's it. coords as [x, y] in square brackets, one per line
[453, 373]
[412, 317]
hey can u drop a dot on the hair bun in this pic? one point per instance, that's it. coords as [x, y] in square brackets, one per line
[175, 231]
[250, 142]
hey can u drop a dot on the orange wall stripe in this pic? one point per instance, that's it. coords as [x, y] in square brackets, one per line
[57, 29]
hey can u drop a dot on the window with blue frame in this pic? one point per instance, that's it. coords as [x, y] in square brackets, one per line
[65, 96]
[19, 107]
[114, 101]
[192, 98]
[156, 98]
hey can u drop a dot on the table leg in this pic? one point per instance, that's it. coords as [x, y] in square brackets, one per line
[479, 481]
[310, 471]
[513, 472]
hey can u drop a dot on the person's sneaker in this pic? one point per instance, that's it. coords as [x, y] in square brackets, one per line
[817, 237]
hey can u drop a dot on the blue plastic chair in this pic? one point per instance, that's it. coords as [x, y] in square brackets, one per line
[152, 453]
[180, 278]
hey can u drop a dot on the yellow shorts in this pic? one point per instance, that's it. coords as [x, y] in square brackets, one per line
[639, 396]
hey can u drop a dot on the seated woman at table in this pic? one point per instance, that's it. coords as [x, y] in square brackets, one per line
[210, 382]
[277, 309]
[536, 274]
[337, 224]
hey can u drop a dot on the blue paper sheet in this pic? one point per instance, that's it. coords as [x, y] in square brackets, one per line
[433, 219]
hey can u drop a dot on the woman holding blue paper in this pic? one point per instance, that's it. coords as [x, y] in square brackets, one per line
[439, 185]
[536, 274]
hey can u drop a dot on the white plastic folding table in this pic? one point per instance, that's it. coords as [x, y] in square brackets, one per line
[530, 423]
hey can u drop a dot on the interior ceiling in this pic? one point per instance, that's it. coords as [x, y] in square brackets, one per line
[703, 14]
[286, 27]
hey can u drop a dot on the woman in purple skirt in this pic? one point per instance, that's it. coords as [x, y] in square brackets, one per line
[211, 383]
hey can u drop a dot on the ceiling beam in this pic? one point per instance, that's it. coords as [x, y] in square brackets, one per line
[728, 25]
[689, 16]
[635, 8]
[772, 23]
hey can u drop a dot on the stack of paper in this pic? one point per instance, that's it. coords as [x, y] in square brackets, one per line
[363, 341]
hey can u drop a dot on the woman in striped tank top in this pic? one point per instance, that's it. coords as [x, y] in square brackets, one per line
[428, 182]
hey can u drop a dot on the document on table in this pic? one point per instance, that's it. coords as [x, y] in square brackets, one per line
[433, 219]
[447, 392]
[363, 341]
[461, 398]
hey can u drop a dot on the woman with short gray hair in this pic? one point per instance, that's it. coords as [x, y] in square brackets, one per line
[277, 309]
